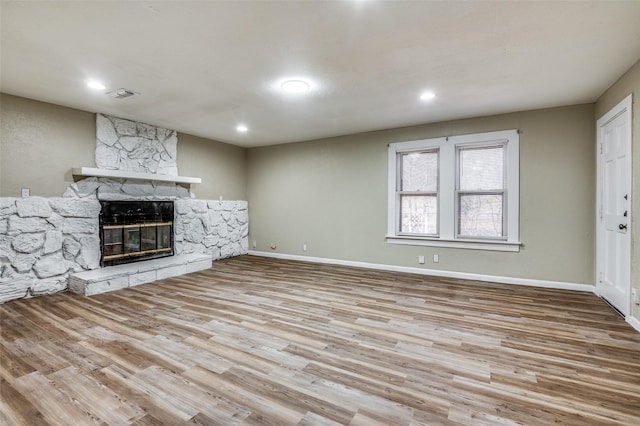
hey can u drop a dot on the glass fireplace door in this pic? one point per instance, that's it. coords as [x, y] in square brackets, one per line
[113, 244]
[131, 239]
[135, 230]
[165, 237]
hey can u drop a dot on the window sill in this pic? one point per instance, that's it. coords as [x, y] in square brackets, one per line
[462, 244]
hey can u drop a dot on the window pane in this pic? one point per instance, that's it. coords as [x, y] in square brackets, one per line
[481, 168]
[480, 215]
[420, 171]
[419, 214]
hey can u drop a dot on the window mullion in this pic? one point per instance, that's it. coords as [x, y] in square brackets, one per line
[447, 186]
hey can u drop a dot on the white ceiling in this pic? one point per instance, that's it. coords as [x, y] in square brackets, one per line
[204, 67]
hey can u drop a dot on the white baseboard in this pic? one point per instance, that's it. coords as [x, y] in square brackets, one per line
[438, 273]
[635, 323]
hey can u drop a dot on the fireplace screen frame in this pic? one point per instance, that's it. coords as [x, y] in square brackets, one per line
[132, 231]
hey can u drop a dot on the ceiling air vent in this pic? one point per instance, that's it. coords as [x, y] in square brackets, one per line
[122, 93]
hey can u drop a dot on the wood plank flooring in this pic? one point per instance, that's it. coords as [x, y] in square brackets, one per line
[257, 341]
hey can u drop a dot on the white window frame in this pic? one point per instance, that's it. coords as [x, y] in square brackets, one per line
[447, 195]
[399, 192]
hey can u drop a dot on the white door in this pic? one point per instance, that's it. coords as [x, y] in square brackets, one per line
[613, 235]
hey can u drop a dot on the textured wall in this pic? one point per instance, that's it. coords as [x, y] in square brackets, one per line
[222, 167]
[331, 194]
[41, 142]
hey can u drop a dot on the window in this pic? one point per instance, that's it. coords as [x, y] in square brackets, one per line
[460, 191]
[419, 192]
[480, 192]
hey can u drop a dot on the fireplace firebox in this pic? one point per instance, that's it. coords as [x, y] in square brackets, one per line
[131, 231]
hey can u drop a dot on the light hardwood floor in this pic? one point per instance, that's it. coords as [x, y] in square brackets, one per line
[263, 341]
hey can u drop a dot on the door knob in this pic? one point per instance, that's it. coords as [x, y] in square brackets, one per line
[622, 226]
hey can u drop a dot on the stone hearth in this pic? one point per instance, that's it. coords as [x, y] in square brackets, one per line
[118, 277]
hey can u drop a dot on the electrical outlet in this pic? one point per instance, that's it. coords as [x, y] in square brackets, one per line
[421, 260]
[255, 244]
[304, 247]
[25, 192]
[634, 296]
[436, 258]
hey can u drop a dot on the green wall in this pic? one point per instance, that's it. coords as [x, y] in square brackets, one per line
[41, 142]
[331, 194]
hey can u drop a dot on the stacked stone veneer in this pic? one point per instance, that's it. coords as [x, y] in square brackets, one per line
[135, 147]
[43, 240]
[217, 228]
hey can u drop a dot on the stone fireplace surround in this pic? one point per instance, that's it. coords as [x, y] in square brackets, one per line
[43, 241]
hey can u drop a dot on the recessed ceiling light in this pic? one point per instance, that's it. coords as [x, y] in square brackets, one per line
[96, 85]
[295, 86]
[427, 96]
[241, 128]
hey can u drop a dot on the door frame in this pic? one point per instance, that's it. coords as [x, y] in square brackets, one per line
[623, 107]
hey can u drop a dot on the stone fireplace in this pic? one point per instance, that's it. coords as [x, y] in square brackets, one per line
[51, 244]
